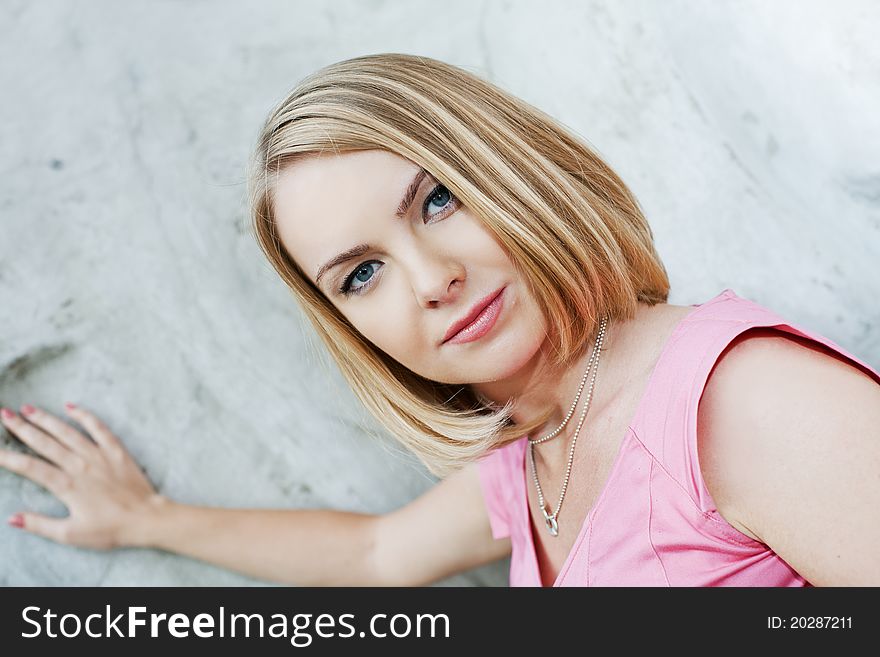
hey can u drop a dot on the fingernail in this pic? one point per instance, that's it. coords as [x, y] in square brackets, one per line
[27, 409]
[69, 405]
[16, 520]
[7, 413]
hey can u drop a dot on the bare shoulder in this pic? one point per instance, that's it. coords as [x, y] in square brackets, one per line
[788, 440]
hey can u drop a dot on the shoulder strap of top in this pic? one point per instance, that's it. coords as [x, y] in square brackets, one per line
[496, 470]
[666, 422]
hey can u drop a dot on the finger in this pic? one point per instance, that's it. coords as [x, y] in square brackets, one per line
[96, 428]
[48, 527]
[39, 441]
[66, 434]
[53, 479]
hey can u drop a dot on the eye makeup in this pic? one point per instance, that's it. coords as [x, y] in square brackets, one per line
[439, 189]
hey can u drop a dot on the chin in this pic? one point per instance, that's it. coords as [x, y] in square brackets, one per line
[503, 365]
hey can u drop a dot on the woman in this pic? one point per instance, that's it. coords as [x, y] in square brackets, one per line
[471, 267]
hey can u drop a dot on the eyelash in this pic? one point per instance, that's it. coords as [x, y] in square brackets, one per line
[346, 289]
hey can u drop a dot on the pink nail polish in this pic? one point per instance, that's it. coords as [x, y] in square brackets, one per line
[7, 413]
[27, 409]
[16, 520]
[69, 405]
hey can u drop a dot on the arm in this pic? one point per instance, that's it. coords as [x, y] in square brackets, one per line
[441, 533]
[298, 547]
[790, 450]
[112, 504]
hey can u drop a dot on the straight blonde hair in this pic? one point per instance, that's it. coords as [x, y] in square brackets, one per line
[569, 224]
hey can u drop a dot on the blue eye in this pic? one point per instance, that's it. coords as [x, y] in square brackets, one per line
[439, 193]
[361, 274]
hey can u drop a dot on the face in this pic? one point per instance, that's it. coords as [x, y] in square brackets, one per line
[420, 272]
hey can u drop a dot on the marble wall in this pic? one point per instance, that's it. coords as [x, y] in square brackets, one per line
[130, 283]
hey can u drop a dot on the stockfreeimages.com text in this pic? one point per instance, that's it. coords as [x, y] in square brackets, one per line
[138, 623]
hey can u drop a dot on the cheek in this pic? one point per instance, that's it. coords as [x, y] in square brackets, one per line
[394, 337]
[478, 240]
[486, 254]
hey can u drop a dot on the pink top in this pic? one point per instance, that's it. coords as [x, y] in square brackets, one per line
[654, 523]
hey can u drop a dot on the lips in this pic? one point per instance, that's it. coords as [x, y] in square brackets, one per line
[472, 314]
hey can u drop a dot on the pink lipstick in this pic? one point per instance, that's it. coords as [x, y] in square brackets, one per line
[482, 324]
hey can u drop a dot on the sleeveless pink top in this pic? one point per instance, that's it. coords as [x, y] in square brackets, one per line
[654, 522]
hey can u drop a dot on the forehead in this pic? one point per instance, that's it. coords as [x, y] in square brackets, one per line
[324, 203]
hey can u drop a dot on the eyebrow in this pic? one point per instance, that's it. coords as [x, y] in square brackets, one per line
[410, 193]
[359, 249]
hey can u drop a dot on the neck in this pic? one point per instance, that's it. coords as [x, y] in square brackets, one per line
[537, 386]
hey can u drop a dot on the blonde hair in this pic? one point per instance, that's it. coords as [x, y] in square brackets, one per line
[569, 224]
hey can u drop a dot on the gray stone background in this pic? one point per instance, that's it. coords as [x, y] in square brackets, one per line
[129, 281]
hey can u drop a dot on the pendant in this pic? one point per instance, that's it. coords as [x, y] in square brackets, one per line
[551, 523]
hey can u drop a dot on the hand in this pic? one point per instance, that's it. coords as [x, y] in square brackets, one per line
[104, 489]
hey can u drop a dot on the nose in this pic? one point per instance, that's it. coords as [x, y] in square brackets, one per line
[442, 296]
[437, 281]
